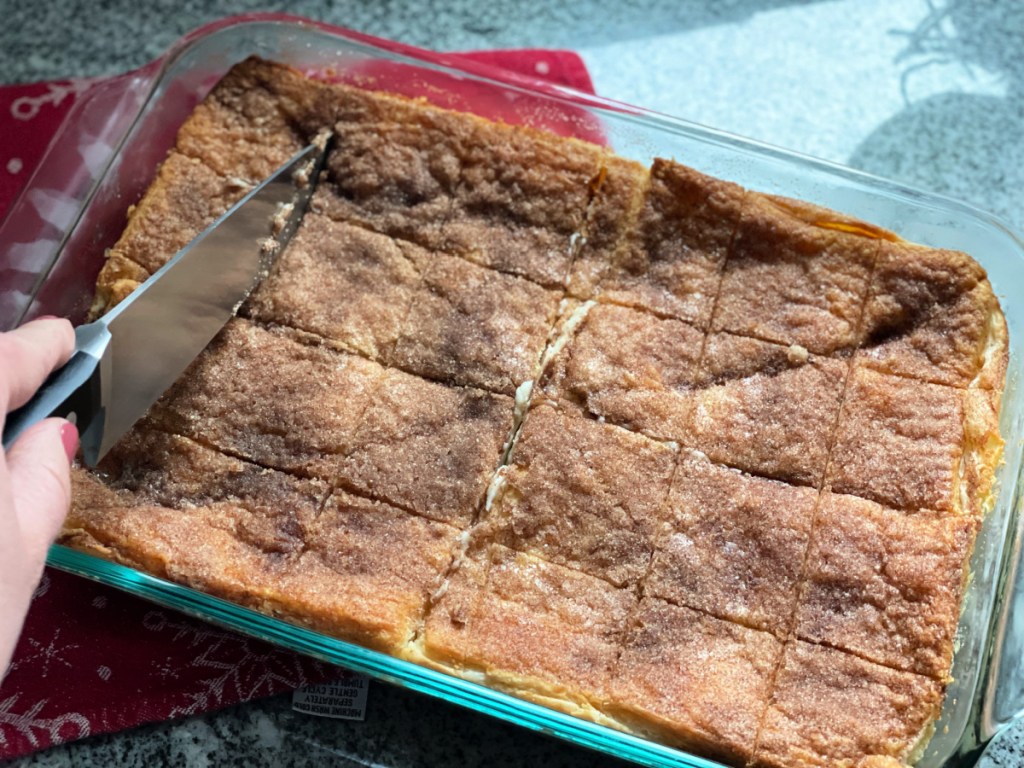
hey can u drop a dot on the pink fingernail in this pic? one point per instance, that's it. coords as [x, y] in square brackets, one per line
[69, 439]
[47, 317]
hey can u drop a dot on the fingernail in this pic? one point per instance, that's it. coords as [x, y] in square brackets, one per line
[47, 317]
[69, 439]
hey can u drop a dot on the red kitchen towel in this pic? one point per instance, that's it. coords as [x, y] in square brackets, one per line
[91, 659]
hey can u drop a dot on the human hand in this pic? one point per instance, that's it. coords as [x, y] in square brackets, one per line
[35, 483]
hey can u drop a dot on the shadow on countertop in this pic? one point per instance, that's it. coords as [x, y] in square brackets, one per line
[967, 146]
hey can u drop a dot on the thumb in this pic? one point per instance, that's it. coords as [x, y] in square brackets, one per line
[39, 467]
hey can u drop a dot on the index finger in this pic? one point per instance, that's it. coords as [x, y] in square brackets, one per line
[28, 355]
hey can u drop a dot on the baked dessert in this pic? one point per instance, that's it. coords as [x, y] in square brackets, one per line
[639, 444]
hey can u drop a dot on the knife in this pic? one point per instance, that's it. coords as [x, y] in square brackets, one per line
[127, 359]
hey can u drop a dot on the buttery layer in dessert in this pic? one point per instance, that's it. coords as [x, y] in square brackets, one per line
[636, 443]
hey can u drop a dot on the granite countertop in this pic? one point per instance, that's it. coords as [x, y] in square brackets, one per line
[927, 92]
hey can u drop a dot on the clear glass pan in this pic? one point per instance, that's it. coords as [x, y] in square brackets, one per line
[105, 154]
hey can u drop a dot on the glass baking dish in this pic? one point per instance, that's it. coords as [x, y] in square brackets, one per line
[105, 154]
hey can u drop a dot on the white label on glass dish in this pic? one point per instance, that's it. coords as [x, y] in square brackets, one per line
[343, 699]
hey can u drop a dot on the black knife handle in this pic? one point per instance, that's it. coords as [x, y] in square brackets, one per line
[71, 389]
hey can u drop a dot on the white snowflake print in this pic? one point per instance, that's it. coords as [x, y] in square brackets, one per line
[27, 107]
[239, 668]
[46, 654]
[68, 726]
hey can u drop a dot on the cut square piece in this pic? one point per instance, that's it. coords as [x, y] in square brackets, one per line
[394, 165]
[185, 198]
[530, 627]
[583, 494]
[930, 315]
[473, 326]
[899, 442]
[368, 571]
[256, 117]
[795, 277]
[696, 681]
[672, 260]
[117, 279]
[192, 515]
[425, 447]
[521, 202]
[351, 286]
[886, 585]
[262, 396]
[621, 189]
[767, 409]
[733, 545]
[832, 709]
[629, 367]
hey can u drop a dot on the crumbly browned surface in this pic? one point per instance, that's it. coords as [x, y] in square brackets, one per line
[899, 442]
[263, 396]
[394, 166]
[830, 708]
[766, 409]
[733, 544]
[517, 618]
[630, 368]
[886, 585]
[694, 680]
[424, 446]
[792, 281]
[929, 315]
[638, 444]
[350, 286]
[670, 258]
[472, 326]
[522, 197]
[571, 495]
[335, 562]
[619, 192]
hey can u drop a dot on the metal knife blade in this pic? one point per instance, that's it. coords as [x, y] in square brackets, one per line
[128, 358]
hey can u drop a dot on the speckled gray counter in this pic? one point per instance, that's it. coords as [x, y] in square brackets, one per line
[930, 93]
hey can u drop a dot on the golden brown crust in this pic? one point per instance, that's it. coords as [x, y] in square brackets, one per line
[630, 368]
[348, 285]
[307, 409]
[767, 409]
[929, 315]
[732, 545]
[832, 709]
[368, 571]
[529, 626]
[423, 446]
[620, 190]
[185, 198]
[694, 680]
[791, 282]
[571, 495]
[899, 442]
[394, 165]
[354, 568]
[393, 528]
[671, 261]
[117, 278]
[256, 117]
[886, 585]
[472, 326]
[522, 197]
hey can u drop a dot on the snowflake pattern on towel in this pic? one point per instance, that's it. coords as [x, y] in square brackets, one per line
[92, 660]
